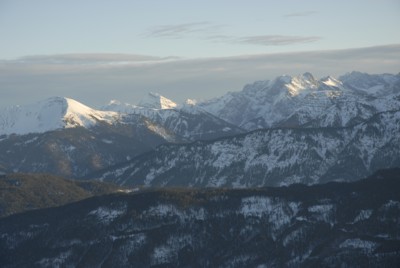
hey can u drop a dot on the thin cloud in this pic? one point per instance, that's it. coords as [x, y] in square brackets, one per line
[209, 31]
[301, 14]
[264, 40]
[178, 31]
[62, 62]
[277, 40]
[89, 58]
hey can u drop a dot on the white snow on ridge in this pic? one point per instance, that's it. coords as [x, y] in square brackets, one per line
[299, 100]
[156, 101]
[106, 214]
[120, 107]
[78, 114]
[149, 104]
[50, 114]
[332, 82]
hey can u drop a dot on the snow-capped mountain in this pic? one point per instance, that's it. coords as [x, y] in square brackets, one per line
[51, 114]
[187, 121]
[64, 137]
[270, 157]
[77, 151]
[303, 101]
[331, 225]
[152, 101]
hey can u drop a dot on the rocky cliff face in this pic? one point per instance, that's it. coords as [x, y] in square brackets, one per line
[332, 225]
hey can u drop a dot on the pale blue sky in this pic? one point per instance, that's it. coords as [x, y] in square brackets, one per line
[191, 29]
[93, 50]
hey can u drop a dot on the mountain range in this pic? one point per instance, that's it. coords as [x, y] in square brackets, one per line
[270, 157]
[273, 132]
[64, 137]
[303, 101]
[289, 172]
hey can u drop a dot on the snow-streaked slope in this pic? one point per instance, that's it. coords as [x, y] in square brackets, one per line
[51, 114]
[304, 101]
[271, 157]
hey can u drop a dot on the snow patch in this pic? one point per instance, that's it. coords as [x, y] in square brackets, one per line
[363, 215]
[106, 214]
[59, 261]
[278, 212]
[323, 212]
[168, 252]
[357, 243]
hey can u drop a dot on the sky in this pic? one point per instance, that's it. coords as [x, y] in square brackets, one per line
[98, 50]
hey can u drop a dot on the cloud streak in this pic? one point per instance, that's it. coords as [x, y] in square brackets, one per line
[178, 31]
[277, 40]
[91, 58]
[207, 31]
[265, 40]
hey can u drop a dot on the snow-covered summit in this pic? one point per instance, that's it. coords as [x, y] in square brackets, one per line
[120, 107]
[301, 83]
[156, 101]
[303, 100]
[50, 114]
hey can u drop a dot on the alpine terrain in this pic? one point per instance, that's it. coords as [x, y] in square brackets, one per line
[290, 172]
[64, 137]
[301, 130]
[308, 131]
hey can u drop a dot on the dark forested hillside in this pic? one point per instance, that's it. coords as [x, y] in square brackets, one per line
[331, 225]
[22, 192]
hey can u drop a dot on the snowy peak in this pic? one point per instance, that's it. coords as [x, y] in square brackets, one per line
[50, 114]
[288, 85]
[78, 114]
[301, 83]
[303, 100]
[120, 107]
[156, 101]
